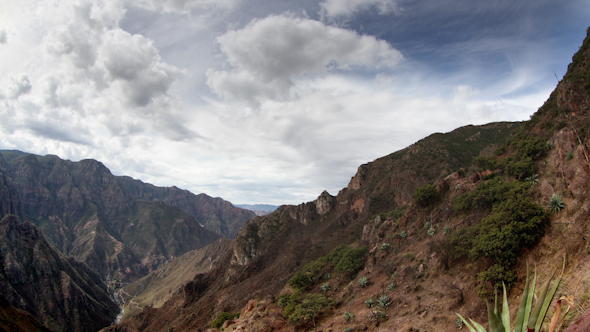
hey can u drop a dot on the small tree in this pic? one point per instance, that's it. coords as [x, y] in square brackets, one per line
[425, 195]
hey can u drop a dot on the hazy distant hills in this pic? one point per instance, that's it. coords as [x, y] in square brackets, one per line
[259, 209]
[120, 227]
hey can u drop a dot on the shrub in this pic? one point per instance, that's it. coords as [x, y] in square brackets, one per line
[300, 281]
[556, 203]
[325, 287]
[284, 300]
[570, 155]
[392, 286]
[403, 234]
[309, 308]
[425, 195]
[222, 317]
[352, 262]
[370, 302]
[384, 246]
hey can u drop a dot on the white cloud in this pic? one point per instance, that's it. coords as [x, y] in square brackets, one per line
[183, 6]
[20, 85]
[340, 8]
[268, 54]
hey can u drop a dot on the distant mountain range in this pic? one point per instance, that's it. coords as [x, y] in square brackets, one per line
[259, 209]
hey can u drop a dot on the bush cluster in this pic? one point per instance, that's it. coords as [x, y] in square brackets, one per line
[425, 195]
[300, 310]
[222, 317]
[514, 222]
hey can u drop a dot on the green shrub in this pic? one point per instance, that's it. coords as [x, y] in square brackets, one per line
[484, 163]
[325, 287]
[352, 262]
[384, 246]
[222, 317]
[425, 195]
[514, 222]
[403, 234]
[392, 286]
[309, 308]
[447, 230]
[284, 300]
[370, 302]
[300, 281]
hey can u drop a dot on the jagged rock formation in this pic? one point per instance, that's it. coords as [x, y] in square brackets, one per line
[86, 212]
[214, 214]
[415, 270]
[60, 292]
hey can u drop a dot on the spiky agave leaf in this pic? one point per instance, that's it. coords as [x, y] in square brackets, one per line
[520, 316]
[494, 319]
[505, 310]
[547, 301]
[469, 326]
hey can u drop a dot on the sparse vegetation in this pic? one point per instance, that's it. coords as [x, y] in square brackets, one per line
[370, 302]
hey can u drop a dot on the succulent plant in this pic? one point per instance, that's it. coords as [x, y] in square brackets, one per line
[363, 281]
[556, 203]
[384, 301]
[527, 318]
[348, 316]
[325, 287]
[370, 302]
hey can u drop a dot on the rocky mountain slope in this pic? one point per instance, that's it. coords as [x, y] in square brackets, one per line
[15, 320]
[58, 291]
[428, 231]
[169, 279]
[87, 213]
[214, 214]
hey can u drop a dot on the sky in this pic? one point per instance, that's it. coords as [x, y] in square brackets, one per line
[269, 101]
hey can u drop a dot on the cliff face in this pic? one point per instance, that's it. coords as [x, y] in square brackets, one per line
[214, 214]
[60, 292]
[86, 212]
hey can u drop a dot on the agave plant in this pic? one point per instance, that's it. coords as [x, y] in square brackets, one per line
[556, 203]
[527, 318]
[384, 301]
[363, 281]
[348, 316]
[325, 287]
[370, 302]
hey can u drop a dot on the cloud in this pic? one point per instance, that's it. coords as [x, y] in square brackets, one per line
[134, 62]
[340, 8]
[183, 6]
[21, 85]
[269, 54]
